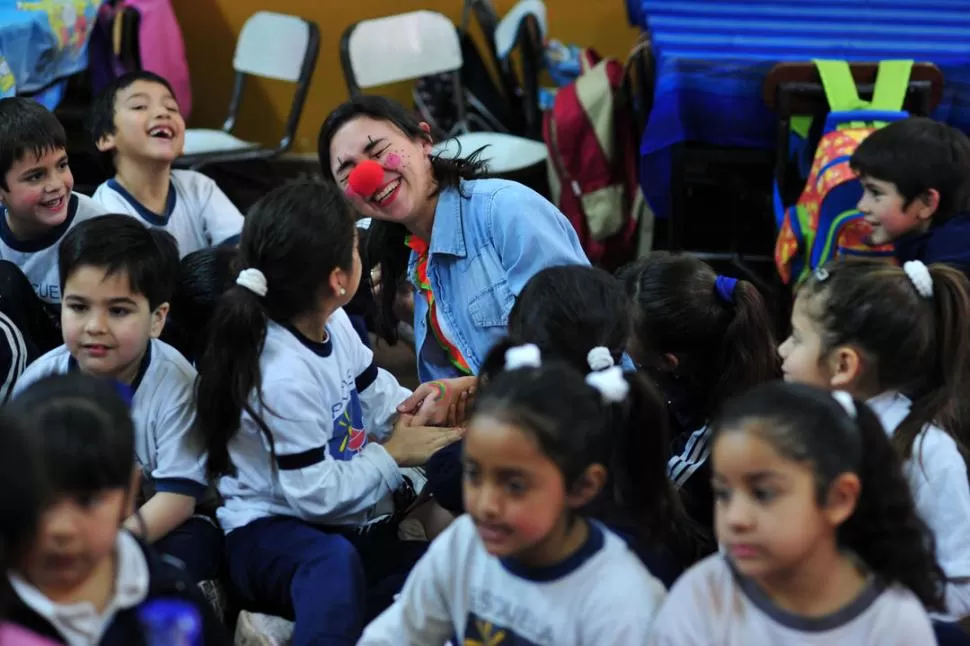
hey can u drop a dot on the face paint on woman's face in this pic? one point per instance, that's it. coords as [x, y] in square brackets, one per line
[407, 182]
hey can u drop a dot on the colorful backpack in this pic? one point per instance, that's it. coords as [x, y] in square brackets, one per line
[825, 222]
[593, 148]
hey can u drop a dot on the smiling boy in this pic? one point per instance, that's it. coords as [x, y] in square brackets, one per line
[37, 208]
[138, 127]
[117, 279]
[915, 175]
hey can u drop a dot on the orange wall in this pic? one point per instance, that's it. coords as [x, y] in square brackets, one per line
[210, 28]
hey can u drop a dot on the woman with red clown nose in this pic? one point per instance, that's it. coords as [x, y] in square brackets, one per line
[466, 243]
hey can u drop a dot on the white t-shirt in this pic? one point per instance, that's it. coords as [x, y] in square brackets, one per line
[198, 214]
[80, 624]
[322, 401]
[712, 606]
[38, 258]
[937, 477]
[163, 411]
[600, 595]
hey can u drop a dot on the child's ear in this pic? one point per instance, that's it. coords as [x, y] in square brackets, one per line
[105, 143]
[842, 498]
[845, 367]
[159, 316]
[927, 204]
[587, 486]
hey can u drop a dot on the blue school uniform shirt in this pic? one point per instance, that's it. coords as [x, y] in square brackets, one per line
[324, 402]
[490, 236]
[162, 409]
[197, 213]
[947, 242]
[598, 595]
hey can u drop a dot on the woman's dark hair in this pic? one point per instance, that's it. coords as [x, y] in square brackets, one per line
[296, 236]
[575, 428]
[386, 239]
[911, 344]
[203, 277]
[81, 431]
[723, 342]
[807, 424]
[567, 311]
[21, 497]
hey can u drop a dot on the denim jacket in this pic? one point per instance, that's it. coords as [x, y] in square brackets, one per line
[488, 239]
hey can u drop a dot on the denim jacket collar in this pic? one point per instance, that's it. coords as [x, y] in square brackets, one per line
[447, 235]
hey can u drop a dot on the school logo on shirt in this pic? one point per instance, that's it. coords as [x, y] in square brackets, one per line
[349, 436]
[481, 632]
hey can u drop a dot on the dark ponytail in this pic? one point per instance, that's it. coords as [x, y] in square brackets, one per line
[296, 236]
[722, 338]
[386, 239]
[885, 530]
[236, 336]
[809, 425]
[941, 395]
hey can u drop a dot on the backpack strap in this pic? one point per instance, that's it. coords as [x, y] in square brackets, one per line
[892, 81]
[840, 88]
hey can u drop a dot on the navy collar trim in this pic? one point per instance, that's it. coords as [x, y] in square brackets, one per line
[594, 543]
[48, 239]
[126, 391]
[144, 213]
[321, 349]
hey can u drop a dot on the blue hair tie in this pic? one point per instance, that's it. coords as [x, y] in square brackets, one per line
[724, 286]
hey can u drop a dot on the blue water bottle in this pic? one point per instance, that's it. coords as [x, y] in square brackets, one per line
[171, 622]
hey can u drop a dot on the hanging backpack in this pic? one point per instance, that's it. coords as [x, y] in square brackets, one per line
[593, 147]
[825, 222]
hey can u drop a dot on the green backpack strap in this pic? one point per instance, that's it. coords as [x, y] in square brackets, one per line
[889, 93]
[892, 81]
[840, 88]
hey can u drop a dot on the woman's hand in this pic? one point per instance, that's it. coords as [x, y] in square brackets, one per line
[440, 402]
[411, 446]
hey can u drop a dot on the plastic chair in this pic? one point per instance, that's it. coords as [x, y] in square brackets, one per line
[271, 45]
[523, 28]
[407, 46]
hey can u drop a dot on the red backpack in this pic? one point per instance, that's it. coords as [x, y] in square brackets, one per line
[593, 148]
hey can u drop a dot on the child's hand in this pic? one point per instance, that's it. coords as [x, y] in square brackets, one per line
[411, 445]
[436, 403]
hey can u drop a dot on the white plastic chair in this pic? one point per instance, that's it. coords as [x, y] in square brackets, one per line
[271, 45]
[408, 46]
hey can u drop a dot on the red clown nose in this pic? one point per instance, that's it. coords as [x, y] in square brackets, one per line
[366, 178]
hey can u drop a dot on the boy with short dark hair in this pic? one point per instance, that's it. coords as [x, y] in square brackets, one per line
[37, 208]
[915, 175]
[117, 279]
[136, 123]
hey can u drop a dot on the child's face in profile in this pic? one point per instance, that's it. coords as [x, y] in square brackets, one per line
[801, 352]
[765, 513]
[38, 192]
[883, 208]
[148, 124]
[75, 541]
[106, 326]
[514, 493]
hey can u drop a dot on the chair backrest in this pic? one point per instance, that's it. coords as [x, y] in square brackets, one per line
[397, 48]
[273, 45]
[276, 46]
[804, 94]
[507, 32]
